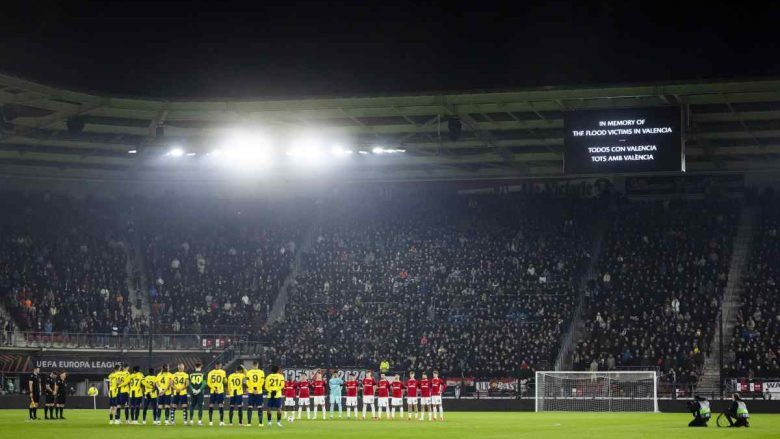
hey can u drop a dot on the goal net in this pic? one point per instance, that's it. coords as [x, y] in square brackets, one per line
[597, 391]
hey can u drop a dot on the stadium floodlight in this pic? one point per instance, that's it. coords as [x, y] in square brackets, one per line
[132, 151]
[215, 153]
[363, 152]
[378, 150]
[615, 391]
[175, 152]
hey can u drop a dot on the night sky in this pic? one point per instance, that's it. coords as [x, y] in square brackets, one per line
[274, 49]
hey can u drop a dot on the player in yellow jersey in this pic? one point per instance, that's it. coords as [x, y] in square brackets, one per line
[255, 378]
[136, 393]
[235, 390]
[150, 396]
[164, 390]
[180, 382]
[113, 392]
[274, 383]
[122, 378]
[216, 380]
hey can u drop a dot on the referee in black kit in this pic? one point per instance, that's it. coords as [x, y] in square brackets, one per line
[35, 387]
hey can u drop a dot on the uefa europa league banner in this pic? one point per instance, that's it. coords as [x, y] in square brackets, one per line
[96, 363]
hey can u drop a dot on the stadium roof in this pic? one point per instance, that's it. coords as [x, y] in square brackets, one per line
[731, 126]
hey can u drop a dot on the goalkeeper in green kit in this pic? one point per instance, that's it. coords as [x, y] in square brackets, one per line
[197, 386]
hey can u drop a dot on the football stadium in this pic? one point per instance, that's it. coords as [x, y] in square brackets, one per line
[593, 260]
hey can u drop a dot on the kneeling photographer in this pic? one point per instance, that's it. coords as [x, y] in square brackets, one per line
[737, 415]
[700, 408]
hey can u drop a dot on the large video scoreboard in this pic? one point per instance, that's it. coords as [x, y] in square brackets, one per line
[625, 140]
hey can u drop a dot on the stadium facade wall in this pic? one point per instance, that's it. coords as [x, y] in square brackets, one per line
[455, 405]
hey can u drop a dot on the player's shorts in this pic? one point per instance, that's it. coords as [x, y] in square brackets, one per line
[289, 402]
[319, 400]
[135, 401]
[412, 400]
[48, 398]
[396, 402]
[112, 400]
[165, 399]
[196, 400]
[274, 403]
[180, 399]
[36, 398]
[150, 400]
[304, 401]
[368, 399]
[216, 398]
[382, 401]
[436, 399]
[334, 399]
[123, 398]
[425, 400]
[352, 401]
[255, 400]
[237, 400]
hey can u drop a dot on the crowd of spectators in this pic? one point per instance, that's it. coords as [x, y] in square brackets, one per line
[483, 284]
[756, 338]
[215, 265]
[62, 264]
[479, 284]
[659, 288]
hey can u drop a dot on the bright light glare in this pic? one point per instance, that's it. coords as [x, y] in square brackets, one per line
[132, 151]
[340, 151]
[380, 150]
[307, 152]
[244, 150]
[176, 152]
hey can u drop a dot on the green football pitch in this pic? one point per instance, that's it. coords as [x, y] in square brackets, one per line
[89, 424]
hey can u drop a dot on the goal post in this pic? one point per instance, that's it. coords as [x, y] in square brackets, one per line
[615, 391]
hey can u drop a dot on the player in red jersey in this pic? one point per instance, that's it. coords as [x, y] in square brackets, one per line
[397, 400]
[383, 395]
[351, 386]
[289, 399]
[304, 390]
[411, 396]
[437, 388]
[425, 397]
[318, 384]
[368, 394]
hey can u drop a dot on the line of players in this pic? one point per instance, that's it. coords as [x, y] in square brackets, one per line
[165, 392]
[388, 393]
